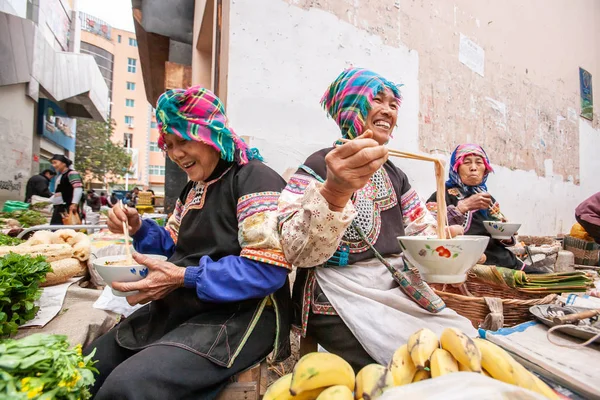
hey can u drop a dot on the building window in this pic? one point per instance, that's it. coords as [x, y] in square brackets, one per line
[131, 63]
[127, 140]
[156, 170]
[129, 103]
[130, 85]
[129, 120]
[119, 38]
[153, 124]
[154, 147]
[132, 42]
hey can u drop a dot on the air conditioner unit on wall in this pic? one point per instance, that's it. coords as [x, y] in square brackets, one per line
[130, 126]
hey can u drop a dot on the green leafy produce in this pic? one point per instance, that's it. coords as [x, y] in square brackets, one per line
[43, 367]
[40, 206]
[20, 278]
[6, 240]
[27, 218]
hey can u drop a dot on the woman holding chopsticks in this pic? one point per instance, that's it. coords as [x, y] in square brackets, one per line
[469, 203]
[220, 303]
[340, 215]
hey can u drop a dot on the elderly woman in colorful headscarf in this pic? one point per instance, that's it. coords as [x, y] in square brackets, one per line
[340, 215]
[220, 303]
[469, 203]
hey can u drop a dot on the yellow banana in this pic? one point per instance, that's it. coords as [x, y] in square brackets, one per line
[402, 367]
[421, 375]
[500, 365]
[442, 363]
[280, 390]
[484, 372]
[464, 368]
[372, 381]
[543, 389]
[320, 370]
[462, 348]
[421, 345]
[338, 392]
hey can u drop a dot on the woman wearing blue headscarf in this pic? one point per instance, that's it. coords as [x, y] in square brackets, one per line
[469, 203]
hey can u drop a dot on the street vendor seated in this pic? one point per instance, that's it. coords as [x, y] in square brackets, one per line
[340, 215]
[219, 305]
[469, 203]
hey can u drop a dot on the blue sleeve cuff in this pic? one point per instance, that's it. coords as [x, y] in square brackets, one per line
[143, 231]
[190, 277]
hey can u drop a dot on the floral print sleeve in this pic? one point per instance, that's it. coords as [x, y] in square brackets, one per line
[418, 221]
[310, 231]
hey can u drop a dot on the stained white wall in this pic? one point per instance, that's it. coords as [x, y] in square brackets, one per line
[280, 66]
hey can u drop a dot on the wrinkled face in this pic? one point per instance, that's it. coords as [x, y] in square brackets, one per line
[383, 116]
[472, 170]
[58, 165]
[198, 160]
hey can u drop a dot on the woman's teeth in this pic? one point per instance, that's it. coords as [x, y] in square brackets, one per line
[382, 124]
[188, 165]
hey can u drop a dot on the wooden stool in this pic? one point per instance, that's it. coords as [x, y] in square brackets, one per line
[248, 385]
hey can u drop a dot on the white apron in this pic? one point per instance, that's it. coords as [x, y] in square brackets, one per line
[376, 310]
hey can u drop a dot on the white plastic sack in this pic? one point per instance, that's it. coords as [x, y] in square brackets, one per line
[109, 302]
[460, 386]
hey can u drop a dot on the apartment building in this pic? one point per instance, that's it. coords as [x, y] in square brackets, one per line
[117, 55]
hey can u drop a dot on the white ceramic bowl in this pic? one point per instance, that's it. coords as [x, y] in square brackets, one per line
[443, 260]
[501, 230]
[129, 273]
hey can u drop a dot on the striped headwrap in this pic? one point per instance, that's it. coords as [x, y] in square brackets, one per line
[197, 114]
[456, 160]
[348, 99]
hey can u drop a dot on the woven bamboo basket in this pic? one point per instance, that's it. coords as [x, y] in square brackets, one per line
[586, 253]
[475, 309]
[477, 287]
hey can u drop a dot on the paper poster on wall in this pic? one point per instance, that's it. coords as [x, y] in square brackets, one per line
[471, 54]
[587, 101]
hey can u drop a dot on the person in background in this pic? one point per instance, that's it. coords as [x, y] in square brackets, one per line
[588, 216]
[127, 201]
[152, 191]
[69, 189]
[134, 197]
[93, 201]
[113, 200]
[38, 185]
[103, 199]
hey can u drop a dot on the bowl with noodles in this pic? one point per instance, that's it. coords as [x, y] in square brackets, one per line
[119, 269]
[443, 260]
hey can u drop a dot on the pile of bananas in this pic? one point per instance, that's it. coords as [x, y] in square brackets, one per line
[325, 376]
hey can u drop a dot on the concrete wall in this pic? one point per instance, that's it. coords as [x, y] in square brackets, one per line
[524, 109]
[17, 122]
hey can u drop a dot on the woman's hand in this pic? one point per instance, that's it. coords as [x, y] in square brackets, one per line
[163, 277]
[349, 168]
[73, 208]
[117, 215]
[479, 201]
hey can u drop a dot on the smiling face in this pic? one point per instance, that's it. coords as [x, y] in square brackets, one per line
[382, 116]
[198, 160]
[472, 170]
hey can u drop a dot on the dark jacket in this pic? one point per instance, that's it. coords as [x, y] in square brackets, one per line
[37, 185]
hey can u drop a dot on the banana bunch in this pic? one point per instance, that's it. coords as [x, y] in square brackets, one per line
[326, 376]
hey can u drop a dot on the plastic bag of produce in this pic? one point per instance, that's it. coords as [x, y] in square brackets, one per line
[460, 386]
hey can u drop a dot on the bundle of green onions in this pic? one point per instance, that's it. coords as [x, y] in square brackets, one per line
[559, 282]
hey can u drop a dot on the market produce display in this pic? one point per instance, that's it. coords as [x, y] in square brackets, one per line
[425, 356]
[43, 367]
[20, 278]
[6, 240]
[22, 219]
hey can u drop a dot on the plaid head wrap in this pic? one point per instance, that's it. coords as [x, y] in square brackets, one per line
[348, 99]
[197, 114]
[456, 160]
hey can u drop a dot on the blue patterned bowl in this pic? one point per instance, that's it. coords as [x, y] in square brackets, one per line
[122, 273]
[501, 230]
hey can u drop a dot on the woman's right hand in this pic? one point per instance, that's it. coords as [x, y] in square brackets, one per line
[479, 201]
[117, 215]
[349, 168]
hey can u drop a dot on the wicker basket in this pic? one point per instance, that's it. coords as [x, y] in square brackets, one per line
[586, 253]
[475, 309]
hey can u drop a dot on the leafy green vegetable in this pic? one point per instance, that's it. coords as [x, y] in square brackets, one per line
[6, 240]
[27, 218]
[20, 278]
[43, 367]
